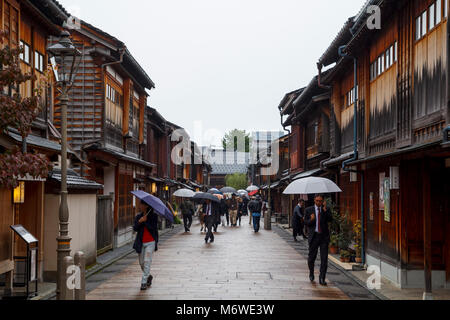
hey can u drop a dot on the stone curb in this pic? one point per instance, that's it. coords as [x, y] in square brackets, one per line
[346, 273]
[100, 267]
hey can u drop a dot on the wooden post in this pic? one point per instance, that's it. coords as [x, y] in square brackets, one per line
[426, 209]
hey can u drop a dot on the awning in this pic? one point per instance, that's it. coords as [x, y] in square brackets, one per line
[339, 160]
[155, 179]
[307, 174]
[276, 184]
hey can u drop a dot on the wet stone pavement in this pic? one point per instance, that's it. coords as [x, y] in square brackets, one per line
[239, 265]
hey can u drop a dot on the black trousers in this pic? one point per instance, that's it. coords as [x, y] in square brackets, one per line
[298, 229]
[187, 219]
[228, 218]
[209, 222]
[318, 241]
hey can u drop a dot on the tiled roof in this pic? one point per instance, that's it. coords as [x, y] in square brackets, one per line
[38, 142]
[219, 169]
[74, 181]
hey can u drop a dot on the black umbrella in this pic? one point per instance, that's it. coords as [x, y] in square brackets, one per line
[205, 196]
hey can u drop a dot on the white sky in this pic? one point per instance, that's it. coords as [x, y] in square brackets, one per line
[225, 63]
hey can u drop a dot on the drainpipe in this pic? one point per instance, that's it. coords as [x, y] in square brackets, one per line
[355, 150]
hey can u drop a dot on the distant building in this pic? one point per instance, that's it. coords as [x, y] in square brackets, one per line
[225, 163]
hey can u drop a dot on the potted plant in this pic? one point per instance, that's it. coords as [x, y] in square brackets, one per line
[345, 233]
[334, 227]
[357, 239]
[345, 256]
[334, 249]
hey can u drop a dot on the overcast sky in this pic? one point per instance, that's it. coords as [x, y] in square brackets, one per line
[224, 63]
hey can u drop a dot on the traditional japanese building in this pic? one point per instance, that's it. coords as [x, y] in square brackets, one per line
[106, 115]
[394, 165]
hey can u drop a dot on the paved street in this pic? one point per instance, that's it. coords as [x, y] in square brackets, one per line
[240, 265]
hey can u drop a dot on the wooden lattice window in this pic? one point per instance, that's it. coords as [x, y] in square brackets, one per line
[126, 209]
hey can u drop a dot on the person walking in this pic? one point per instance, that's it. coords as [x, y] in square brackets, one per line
[225, 208]
[241, 210]
[211, 212]
[298, 220]
[233, 211]
[317, 218]
[146, 243]
[223, 212]
[187, 210]
[255, 207]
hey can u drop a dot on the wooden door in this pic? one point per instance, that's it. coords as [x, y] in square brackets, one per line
[105, 224]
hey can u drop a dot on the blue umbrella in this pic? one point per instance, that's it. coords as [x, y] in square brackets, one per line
[155, 203]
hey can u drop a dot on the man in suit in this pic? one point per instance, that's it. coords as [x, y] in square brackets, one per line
[298, 220]
[211, 213]
[317, 219]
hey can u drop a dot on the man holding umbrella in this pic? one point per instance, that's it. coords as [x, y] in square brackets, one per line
[146, 243]
[146, 227]
[317, 219]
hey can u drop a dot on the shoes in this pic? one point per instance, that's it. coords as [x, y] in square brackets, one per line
[149, 281]
[212, 240]
[311, 277]
[322, 282]
[295, 239]
[206, 241]
[143, 287]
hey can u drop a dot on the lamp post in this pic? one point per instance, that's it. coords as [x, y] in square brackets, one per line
[64, 55]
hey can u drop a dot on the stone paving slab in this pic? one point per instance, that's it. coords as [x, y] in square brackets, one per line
[239, 265]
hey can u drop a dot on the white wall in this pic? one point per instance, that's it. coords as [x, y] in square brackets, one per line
[82, 227]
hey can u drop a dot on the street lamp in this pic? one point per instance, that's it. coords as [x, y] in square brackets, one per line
[64, 56]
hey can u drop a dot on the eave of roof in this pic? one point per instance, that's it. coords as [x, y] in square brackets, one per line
[331, 54]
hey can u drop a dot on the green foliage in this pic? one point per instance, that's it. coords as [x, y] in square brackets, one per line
[345, 254]
[357, 238]
[18, 113]
[345, 232]
[177, 220]
[230, 141]
[238, 181]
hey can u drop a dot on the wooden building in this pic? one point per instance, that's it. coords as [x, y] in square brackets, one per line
[29, 23]
[106, 115]
[395, 168]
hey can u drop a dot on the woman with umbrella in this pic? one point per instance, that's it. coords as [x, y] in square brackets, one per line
[146, 227]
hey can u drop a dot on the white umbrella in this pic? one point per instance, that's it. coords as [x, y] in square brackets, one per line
[242, 192]
[252, 188]
[312, 185]
[184, 193]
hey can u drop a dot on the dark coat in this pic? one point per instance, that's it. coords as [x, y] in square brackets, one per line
[216, 211]
[255, 206]
[151, 225]
[223, 207]
[299, 215]
[326, 218]
[187, 208]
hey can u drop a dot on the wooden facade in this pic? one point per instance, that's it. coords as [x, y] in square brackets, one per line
[29, 24]
[402, 111]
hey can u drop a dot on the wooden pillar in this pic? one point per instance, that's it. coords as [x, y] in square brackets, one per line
[142, 106]
[127, 94]
[426, 209]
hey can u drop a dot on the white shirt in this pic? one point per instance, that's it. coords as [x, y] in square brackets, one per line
[208, 210]
[317, 218]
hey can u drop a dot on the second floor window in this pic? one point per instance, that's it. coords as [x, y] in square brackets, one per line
[114, 107]
[312, 134]
[39, 61]
[25, 56]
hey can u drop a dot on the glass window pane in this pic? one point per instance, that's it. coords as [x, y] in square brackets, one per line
[431, 11]
[395, 51]
[418, 20]
[438, 11]
[424, 23]
[41, 63]
[445, 8]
